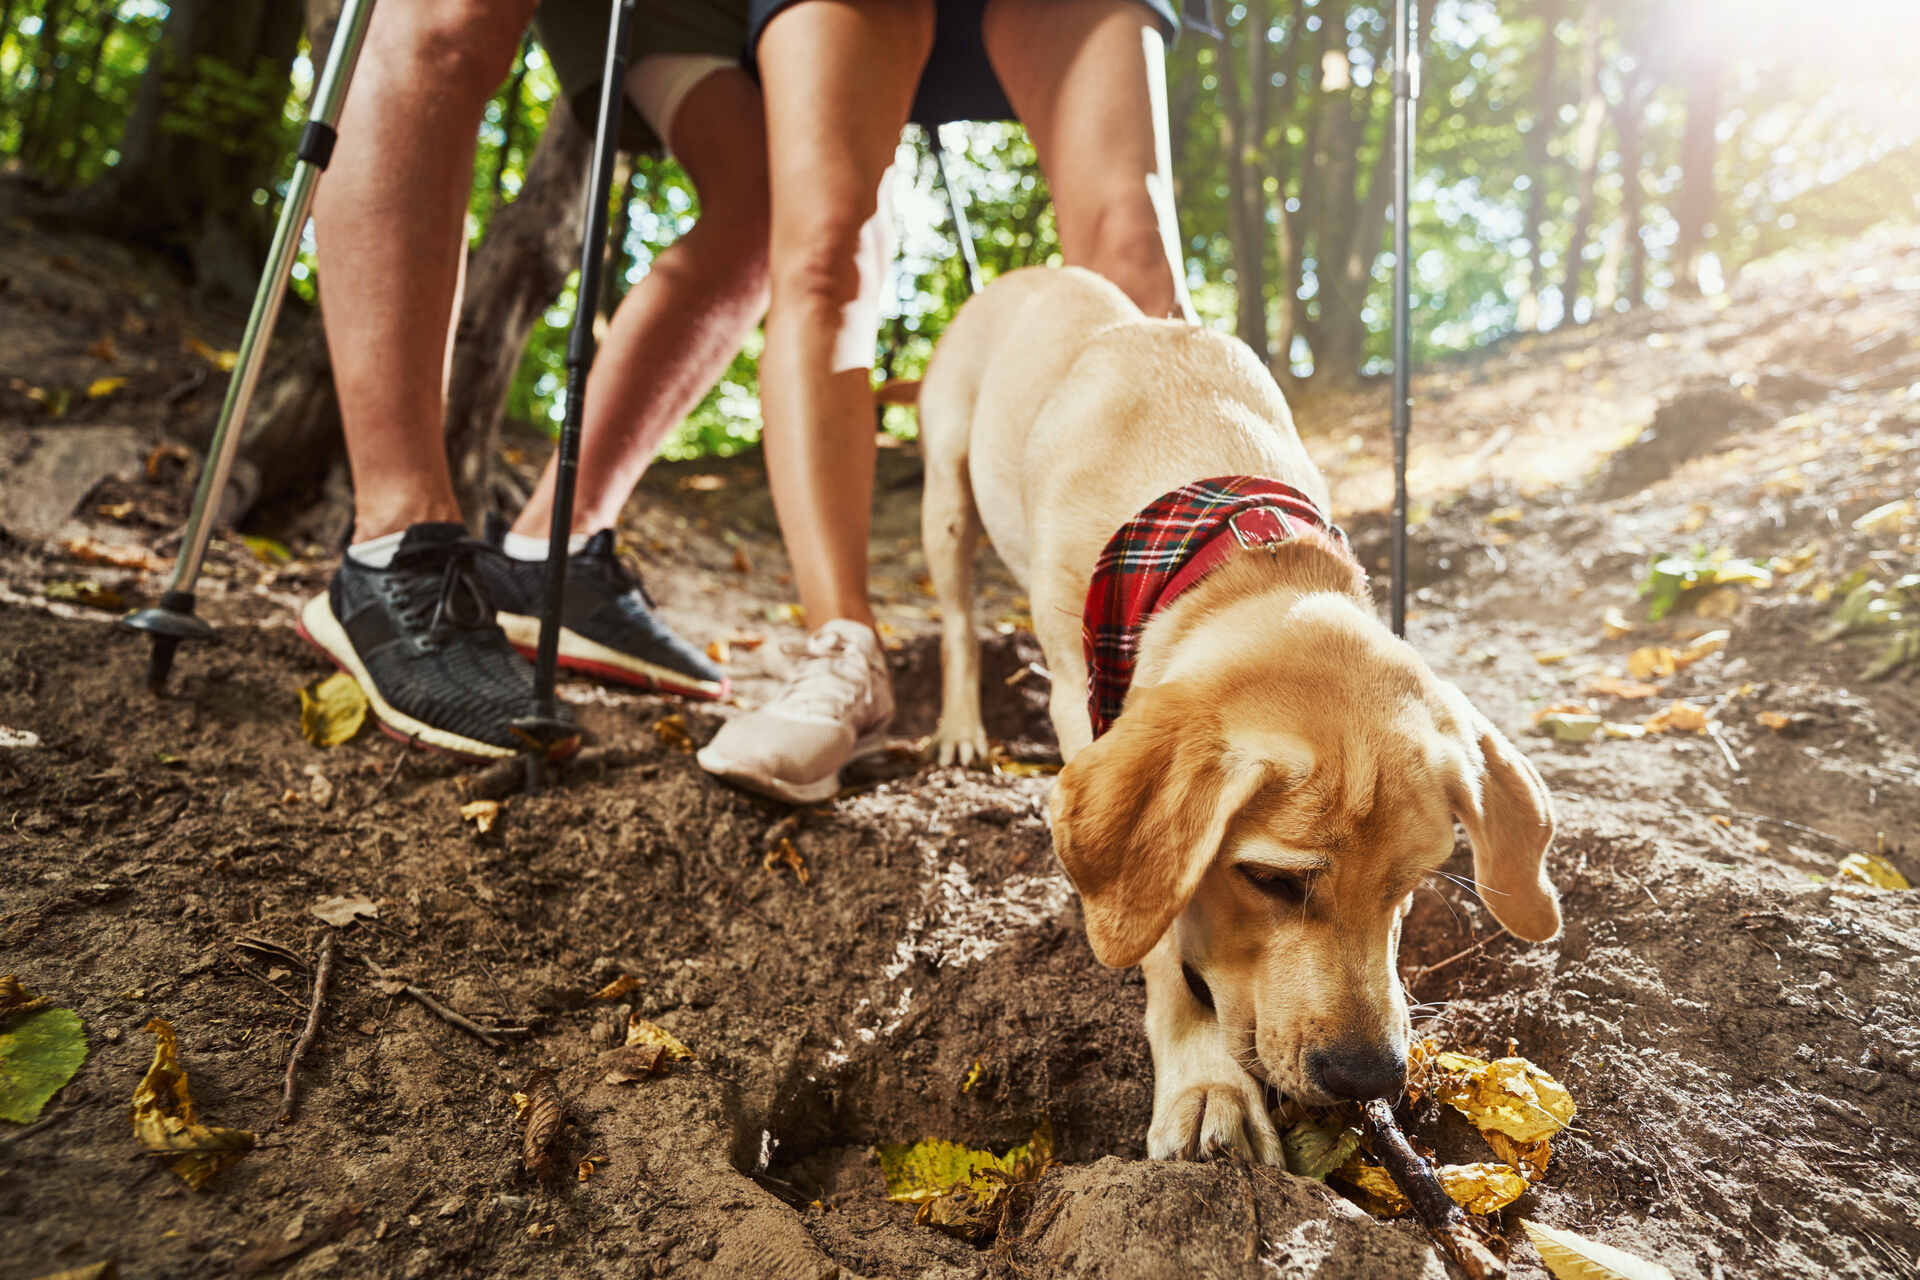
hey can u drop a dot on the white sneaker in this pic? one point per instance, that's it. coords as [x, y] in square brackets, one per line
[836, 706]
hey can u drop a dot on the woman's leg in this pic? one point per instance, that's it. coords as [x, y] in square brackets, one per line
[1088, 77]
[677, 330]
[839, 78]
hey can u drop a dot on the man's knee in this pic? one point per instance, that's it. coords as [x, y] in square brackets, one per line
[460, 48]
[1125, 242]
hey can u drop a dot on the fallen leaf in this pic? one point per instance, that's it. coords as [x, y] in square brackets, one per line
[641, 1031]
[482, 813]
[332, 710]
[1529, 1159]
[104, 349]
[343, 911]
[1702, 645]
[784, 854]
[1481, 1188]
[748, 640]
[585, 1170]
[267, 551]
[40, 1050]
[720, 651]
[703, 483]
[1549, 657]
[620, 986]
[1721, 602]
[973, 1075]
[1569, 727]
[15, 998]
[1871, 869]
[1316, 1150]
[83, 592]
[1505, 515]
[1373, 1188]
[221, 360]
[164, 1120]
[1616, 623]
[164, 452]
[1572, 1257]
[672, 731]
[92, 551]
[545, 1113]
[1615, 687]
[1006, 766]
[1671, 578]
[925, 1171]
[100, 387]
[1651, 661]
[1615, 729]
[1681, 716]
[1774, 720]
[632, 1063]
[740, 562]
[1508, 1095]
[1890, 515]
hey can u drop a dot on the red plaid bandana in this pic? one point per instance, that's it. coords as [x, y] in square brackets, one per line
[1167, 548]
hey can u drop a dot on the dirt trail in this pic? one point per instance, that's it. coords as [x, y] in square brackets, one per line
[1742, 1039]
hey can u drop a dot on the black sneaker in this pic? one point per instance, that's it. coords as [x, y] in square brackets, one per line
[608, 629]
[420, 638]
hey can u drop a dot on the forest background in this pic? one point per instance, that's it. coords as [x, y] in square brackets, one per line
[1575, 158]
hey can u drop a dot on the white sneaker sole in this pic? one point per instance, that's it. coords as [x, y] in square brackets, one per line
[581, 654]
[748, 778]
[324, 631]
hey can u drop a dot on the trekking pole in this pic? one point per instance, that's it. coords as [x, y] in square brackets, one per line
[545, 730]
[173, 620]
[962, 231]
[1406, 92]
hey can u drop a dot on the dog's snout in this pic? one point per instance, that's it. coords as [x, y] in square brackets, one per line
[1359, 1072]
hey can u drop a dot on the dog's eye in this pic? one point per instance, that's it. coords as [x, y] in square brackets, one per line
[1282, 885]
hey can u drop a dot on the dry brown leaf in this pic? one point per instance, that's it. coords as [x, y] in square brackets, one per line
[1650, 662]
[1529, 1159]
[163, 453]
[740, 562]
[720, 651]
[545, 1114]
[104, 349]
[748, 640]
[784, 854]
[93, 551]
[1681, 717]
[585, 1170]
[1572, 1257]
[640, 1031]
[1773, 720]
[1374, 1188]
[620, 986]
[15, 998]
[631, 1063]
[164, 1120]
[343, 911]
[1615, 687]
[482, 813]
[672, 731]
[1702, 645]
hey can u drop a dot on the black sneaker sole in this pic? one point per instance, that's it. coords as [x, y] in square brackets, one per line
[578, 653]
[319, 628]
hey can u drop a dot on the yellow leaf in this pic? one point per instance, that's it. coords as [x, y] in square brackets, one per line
[1653, 661]
[104, 387]
[332, 710]
[920, 1172]
[1616, 623]
[1702, 645]
[719, 650]
[1572, 1257]
[672, 732]
[640, 1031]
[1721, 602]
[1872, 869]
[1508, 1095]
[618, 987]
[785, 855]
[973, 1075]
[1773, 720]
[1615, 729]
[1506, 515]
[1374, 1188]
[1682, 716]
[221, 360]
[1892, 515]
[1481, 1188]
[164, 1121]
[1548, 657]
[482, 813]
[1529, 1159]
[1615, 687]
[267, 550]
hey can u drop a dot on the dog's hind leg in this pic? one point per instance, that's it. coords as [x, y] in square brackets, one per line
[950, 531]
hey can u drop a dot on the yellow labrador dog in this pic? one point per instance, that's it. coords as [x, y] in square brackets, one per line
[1280, 773]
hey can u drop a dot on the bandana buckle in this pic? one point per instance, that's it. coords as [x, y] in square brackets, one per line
[1266, 528]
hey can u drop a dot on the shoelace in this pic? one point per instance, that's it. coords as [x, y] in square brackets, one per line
[621, 570]
[459, 603]
[827, 680]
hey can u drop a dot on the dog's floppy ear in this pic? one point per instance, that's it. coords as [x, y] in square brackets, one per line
[1504, 806]
[1140, 813]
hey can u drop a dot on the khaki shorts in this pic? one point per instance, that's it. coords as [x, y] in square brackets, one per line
[673, 46]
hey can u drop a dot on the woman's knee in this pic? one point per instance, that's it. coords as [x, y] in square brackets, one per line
[462, 49]
[817, 254]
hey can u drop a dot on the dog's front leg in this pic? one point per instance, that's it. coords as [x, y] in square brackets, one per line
[1204, 1102]
[950, 531]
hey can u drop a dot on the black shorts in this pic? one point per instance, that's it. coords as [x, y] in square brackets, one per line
[959, 83]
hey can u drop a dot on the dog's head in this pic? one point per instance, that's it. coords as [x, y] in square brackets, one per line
[1275, 804]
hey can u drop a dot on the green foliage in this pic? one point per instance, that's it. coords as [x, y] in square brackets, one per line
[39, 1053]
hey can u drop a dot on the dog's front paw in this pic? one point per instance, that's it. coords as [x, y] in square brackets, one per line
[962, 741]
[1206, 1121]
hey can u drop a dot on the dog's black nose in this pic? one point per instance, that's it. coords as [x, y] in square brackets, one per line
[1360, 1072]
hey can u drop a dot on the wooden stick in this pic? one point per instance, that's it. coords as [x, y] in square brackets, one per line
[1435, 1209]
[321, 971]
[489, 1038]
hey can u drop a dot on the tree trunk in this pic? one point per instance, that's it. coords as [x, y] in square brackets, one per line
[105, 20]
[35, 110]
[1694, 208]
[1539, 140]
[205, 134]
[1629, 126]
[1587, 161]
[1246, 205]
[513, 277]
[510, 120]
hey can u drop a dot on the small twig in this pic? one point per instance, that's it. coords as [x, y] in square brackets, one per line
[43, 1123]
[1719, 740]
[1427, 970]
[1030, 669]
[489, 1038]
[1796, 826]
[322, 970]
[260, 978]
[1435, 1209]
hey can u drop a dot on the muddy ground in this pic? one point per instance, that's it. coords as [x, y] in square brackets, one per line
[1741, 1034]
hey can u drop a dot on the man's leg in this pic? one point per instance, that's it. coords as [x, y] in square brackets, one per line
[1088, 77]
[390, 228]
